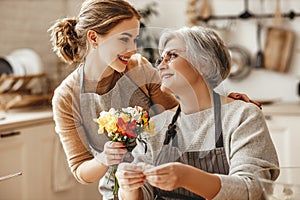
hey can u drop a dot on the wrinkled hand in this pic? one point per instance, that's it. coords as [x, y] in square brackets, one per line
[112, 154]
[130, 176]
[166, 176]
[244, 97]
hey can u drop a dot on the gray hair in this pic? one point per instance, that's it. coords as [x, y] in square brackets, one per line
[205, 50]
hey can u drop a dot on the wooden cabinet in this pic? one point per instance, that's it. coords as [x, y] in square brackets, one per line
[285, 132]
[12, 152]
[31, 149]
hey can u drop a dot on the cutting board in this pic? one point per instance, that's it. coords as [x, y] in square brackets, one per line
[278, 48]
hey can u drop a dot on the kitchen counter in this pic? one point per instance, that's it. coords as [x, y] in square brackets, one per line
[29, 144]
[282, 108]
[21, 117]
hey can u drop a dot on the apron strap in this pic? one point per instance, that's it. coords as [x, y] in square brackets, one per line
[206, 163]
[92, 149]
[171, 132]
[81, 79]
[218, 122]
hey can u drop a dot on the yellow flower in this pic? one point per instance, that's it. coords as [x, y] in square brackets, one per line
[107, 123]
[125, 117]
[124, 125]
[150, 128]
[145, 118]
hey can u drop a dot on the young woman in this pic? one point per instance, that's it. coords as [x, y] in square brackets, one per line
[101, 39]
[210, 147]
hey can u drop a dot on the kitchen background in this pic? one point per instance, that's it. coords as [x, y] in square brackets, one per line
[262, 84]
[24, 25]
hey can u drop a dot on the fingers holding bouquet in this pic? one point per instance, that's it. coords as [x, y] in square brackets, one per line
[123, 127]
[114, 152]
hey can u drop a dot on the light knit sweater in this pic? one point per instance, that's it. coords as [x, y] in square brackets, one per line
[247, 142]
[66, 111]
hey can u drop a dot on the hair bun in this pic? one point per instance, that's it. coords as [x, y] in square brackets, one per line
[65, 40]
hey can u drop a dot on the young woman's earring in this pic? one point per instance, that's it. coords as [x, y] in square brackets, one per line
[94, 45]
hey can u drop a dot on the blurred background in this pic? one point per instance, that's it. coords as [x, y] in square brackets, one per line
[24, 24]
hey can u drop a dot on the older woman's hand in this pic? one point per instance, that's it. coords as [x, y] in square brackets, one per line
[130, 176]
[166, 176]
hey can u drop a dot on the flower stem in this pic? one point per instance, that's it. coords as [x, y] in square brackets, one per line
[116, 184]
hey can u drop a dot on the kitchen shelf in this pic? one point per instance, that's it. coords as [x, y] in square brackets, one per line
[247, 14]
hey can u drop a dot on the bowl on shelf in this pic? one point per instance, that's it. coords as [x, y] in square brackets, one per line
[285, 187]
[25, 62]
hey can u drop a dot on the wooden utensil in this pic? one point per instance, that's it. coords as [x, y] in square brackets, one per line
[279, 44]
[277, 15]
[278, 49]
[205, 10]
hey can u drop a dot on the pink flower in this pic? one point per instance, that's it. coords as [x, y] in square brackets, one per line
[126, 128]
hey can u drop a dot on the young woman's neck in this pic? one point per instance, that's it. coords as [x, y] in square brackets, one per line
[95, 69]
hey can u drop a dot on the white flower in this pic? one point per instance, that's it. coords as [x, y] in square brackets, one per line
[112, 111]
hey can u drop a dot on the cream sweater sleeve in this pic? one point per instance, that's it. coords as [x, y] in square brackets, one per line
[248, 148]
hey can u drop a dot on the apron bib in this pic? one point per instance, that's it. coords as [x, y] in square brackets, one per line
[125, 93]
[212, 161]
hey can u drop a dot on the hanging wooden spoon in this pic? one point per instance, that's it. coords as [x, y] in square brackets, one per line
[277, 15]
[205, 10]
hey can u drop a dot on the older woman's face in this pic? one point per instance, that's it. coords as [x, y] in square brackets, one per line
[176, 73]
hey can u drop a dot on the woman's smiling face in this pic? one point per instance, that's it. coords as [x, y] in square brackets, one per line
[175, 71]
[116, 47]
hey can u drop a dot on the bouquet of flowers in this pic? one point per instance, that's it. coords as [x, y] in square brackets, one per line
[124, 125]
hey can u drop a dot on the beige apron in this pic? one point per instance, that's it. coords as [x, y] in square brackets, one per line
[125, 93]
[213, 161]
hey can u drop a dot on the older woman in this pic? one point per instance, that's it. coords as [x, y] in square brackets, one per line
[211, 146]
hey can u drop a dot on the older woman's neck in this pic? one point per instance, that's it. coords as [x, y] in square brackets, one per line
[195, 99]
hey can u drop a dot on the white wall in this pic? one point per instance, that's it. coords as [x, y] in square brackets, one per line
[260, 84]
[24, 24]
